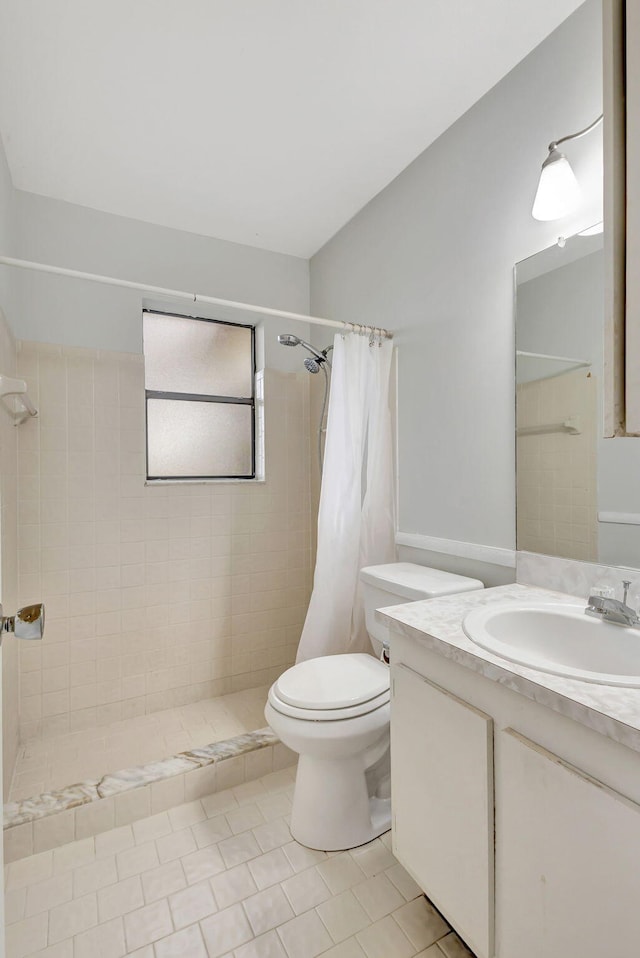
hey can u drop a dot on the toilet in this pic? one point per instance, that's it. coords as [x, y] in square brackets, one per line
[334, 711]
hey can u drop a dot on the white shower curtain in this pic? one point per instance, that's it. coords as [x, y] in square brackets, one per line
[356, 515]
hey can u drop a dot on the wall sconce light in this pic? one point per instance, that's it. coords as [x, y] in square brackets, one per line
[558, 192]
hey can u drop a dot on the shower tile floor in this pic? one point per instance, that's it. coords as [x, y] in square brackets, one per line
[220, 878]
[49, 763]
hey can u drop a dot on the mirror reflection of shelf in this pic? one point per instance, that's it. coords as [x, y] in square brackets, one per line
[534, 366]
[570, 426]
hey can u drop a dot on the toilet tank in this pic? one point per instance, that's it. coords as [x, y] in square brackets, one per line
[398, 582]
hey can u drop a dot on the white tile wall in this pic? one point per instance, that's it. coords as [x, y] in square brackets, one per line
[159, 595]
[556, 475]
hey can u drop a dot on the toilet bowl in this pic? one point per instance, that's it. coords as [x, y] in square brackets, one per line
[334, 711]
[341, 731]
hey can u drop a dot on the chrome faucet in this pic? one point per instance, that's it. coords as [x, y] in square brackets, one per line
[614, 610]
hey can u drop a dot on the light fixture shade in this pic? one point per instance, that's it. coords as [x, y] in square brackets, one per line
[558, 192]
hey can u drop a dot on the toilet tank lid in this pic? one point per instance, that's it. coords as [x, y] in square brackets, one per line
[411, 581]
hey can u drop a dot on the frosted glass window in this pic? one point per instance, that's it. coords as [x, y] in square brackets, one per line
[197, 356]
[199, 384]
[188, 439]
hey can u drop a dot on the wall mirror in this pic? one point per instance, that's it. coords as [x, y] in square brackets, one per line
[578, 493]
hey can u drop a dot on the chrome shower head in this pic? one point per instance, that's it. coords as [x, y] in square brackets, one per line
[312, 365]
[288, 339]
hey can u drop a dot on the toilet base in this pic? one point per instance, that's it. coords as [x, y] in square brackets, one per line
[332, 809]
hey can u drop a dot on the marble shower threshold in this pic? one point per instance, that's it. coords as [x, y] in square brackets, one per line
[120, 798]
[51, 761]
[95, 804]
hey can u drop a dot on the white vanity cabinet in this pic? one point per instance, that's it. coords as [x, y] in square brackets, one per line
[566, 880]
[567, 866]
[442, 774]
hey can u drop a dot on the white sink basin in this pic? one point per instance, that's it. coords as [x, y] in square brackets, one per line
[559, 639]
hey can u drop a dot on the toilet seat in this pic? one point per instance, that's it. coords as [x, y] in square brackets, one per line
[328, 715]
[332, 688]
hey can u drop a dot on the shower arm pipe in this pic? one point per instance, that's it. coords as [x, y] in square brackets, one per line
[192, 297]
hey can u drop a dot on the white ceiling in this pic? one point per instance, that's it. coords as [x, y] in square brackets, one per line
[266, 122]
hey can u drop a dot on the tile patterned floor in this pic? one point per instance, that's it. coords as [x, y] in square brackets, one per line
[55, 762]
[220, 878]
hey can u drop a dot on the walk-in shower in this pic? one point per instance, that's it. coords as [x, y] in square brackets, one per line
[319, 359]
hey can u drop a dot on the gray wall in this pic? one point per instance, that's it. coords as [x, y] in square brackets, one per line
[7, 230]
[77, 313]
[432, 257]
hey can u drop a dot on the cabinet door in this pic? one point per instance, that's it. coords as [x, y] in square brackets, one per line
[567, 859]
[442, 800]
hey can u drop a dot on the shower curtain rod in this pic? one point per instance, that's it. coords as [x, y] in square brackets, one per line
[193, 297]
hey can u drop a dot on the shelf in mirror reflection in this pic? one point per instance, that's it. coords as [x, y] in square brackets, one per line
[560, 460]
[532, 366]
[570, 426]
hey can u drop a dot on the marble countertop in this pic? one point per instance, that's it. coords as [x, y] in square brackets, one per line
[613, 711]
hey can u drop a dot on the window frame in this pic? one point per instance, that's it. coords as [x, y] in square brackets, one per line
[198, 397]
